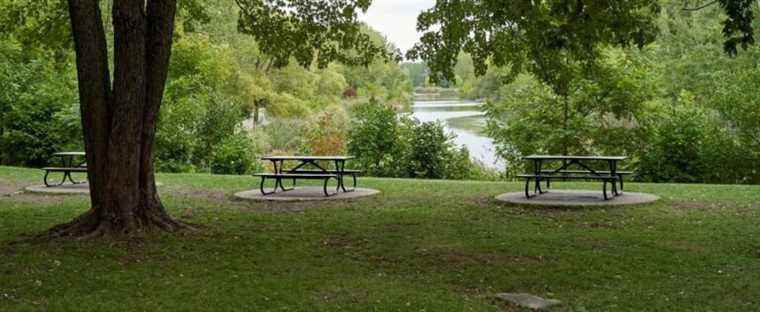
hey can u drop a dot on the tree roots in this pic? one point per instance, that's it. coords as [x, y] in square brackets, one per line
[92, 225]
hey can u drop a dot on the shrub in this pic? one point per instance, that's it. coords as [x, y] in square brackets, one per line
[326, 133]
[39, 114]
[373, 137]
[388, 144]
[430, 152]
[236, 154]
[691, 143]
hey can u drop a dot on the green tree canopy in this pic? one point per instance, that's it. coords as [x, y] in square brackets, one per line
[320, 31]
[543, 37]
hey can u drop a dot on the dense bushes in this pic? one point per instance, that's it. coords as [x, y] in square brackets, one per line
[38, 106]
[376, 140]
[390, 145]
[690, 143]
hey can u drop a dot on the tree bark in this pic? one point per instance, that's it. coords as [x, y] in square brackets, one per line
[119, 119]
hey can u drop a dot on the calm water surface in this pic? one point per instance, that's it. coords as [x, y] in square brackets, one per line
[465, 120]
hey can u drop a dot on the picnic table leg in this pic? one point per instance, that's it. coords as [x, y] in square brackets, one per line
[536, 174]
[261, 187]
[337, 188]
[527, 188]
[277, 170]
[620, 177]
[68, 174]
[282, 187]
[278, 183]
[340, 167]
[538, 182]
[604, 189]
[613, 173]
[47, 184]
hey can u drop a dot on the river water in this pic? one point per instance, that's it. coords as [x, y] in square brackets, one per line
[466, 121]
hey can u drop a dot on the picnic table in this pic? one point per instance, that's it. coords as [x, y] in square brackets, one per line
[69, 162]
[585, 171]
[309, 168]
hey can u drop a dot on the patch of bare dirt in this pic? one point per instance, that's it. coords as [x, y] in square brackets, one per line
[685, 245]
[602, 225]
[348, 296]
[725, 207]
[277, 207]
[7, 187]
[458, 257]
[198, 193]
[38, 198]
[399, 226]
[219, 196]
[343, 242]
[694, 205]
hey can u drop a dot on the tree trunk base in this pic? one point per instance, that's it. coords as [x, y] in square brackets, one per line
[92, 225]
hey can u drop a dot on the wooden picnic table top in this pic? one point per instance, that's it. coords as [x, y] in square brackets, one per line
[306, 157]
[566, 157]
[69, 154]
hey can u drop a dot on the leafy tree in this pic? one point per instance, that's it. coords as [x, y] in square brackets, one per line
[385, 81]
[738, 27]
[417, 73]
[544, 37]
[120, 111]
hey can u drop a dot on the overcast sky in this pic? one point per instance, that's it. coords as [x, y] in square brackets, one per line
[397, 20]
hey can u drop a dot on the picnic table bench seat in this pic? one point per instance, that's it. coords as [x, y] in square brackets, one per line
[294, 176]
[65, 169]
[562, 173]
[349, 172]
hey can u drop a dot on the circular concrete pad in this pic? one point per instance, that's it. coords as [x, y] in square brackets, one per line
[66, 189]
[304, 194]
[577, 198]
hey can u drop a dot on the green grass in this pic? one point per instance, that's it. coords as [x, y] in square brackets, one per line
[420, 245]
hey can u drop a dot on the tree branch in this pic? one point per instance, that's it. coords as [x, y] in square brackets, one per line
[699, 7]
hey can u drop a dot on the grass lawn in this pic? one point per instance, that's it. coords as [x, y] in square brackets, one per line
[420, 245]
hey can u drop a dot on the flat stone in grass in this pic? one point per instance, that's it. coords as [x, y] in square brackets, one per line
[577, 198]
[529, 301]
[304, 194]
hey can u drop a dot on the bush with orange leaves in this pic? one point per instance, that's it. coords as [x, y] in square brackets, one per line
[326, 133]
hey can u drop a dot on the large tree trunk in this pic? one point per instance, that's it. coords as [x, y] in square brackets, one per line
[119, 119]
